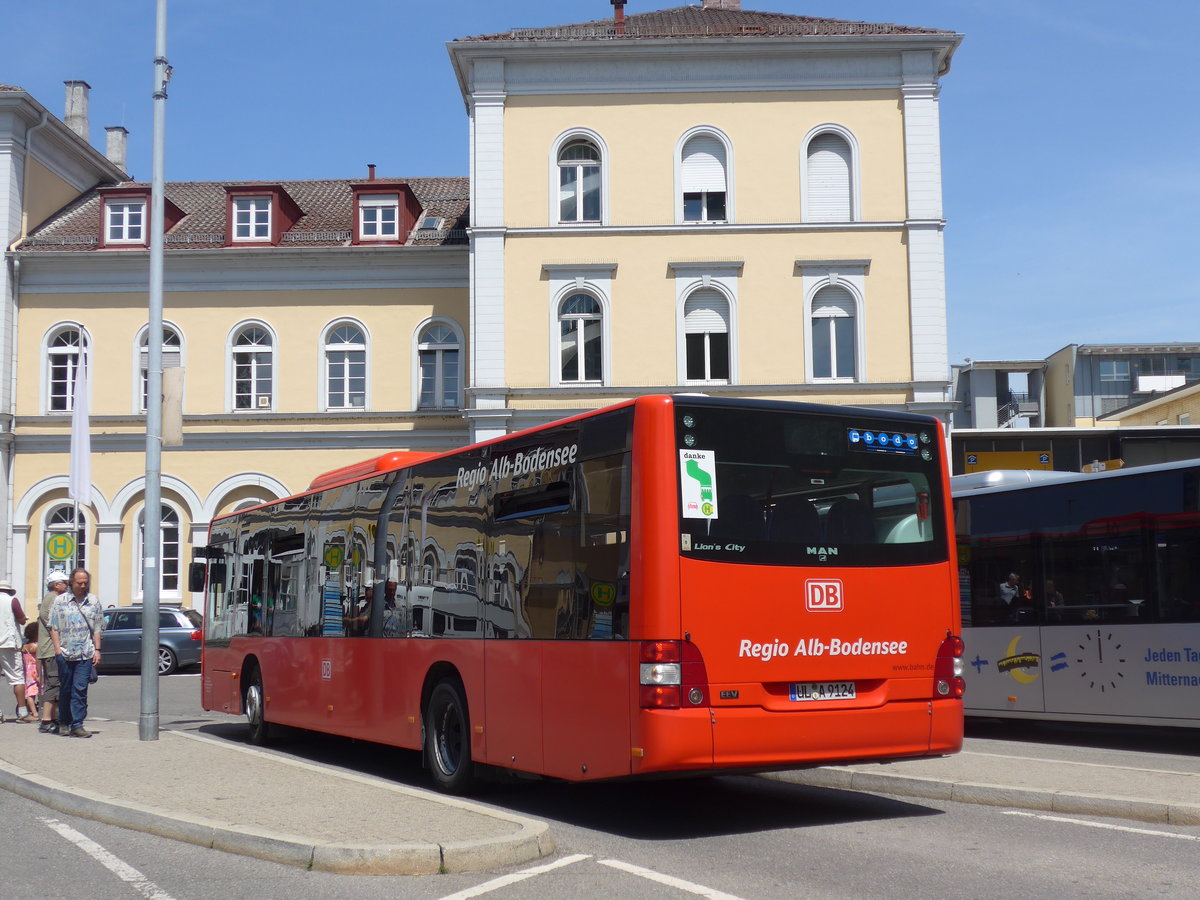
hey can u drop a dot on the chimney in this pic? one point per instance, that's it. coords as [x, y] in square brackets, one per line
[723, 4]
[618, 17]
[370, 171]
[76, 116]
[116, 141]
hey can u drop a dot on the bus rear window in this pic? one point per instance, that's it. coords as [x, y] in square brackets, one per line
[800, 488]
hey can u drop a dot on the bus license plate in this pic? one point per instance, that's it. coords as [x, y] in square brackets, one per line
[823, 690]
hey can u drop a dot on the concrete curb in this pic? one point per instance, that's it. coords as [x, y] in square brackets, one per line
[531, 841]
[995, 795]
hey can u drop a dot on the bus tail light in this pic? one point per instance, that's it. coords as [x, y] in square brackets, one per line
[671, 675]
[948, 670]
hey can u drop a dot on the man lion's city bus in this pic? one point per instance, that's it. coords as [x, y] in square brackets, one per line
[1102, 621]
[672, 584]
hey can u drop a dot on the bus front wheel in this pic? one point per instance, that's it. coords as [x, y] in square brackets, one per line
[253, 705]
[448, 738]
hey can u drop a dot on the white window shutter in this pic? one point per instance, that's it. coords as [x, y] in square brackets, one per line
[703, 165]
[828, 179]
[704, 311]
[833, 302]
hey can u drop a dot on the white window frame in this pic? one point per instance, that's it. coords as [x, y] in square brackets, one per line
[259, 218]
[421, 347]
[119, 214]
[172, 357]
[585, 278]
[372, 207]
[555, 166]
[70, 359]
[848, 274]
[172, 596]
[270, 352]
[689, 278]
[730, 207]
[854, 171]
[327, 363]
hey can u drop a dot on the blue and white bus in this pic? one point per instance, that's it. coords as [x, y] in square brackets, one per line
[1081, 594]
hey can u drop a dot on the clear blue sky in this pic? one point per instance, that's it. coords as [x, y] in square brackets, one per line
[1070, 128]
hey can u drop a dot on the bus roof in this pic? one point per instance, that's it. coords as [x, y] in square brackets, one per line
[389, 462]
[1023, 479]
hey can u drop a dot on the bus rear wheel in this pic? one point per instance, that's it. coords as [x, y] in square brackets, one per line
[253, 705]
[448, 738]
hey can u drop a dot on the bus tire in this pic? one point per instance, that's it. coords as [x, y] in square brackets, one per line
[253, 703]
[448, 738]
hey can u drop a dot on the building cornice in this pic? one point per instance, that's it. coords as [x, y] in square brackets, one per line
[724, 228]
[233, 269]
[682, 65]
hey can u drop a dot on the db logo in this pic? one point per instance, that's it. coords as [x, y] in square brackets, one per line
[823, 596]
[327, 669]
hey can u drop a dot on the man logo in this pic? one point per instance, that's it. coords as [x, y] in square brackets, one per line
[823, 596]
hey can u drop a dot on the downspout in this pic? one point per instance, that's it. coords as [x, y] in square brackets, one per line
[6, 436]
[25, 180]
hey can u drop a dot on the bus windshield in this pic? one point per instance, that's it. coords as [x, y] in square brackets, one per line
[808, 488]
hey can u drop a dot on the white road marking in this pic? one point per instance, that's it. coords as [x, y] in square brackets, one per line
[698, 889]
[121, 869]
[1104, 825]
[505, 880]
[1072, 762]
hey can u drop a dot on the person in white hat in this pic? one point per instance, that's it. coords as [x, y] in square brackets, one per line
[56, 586]
[12, 669]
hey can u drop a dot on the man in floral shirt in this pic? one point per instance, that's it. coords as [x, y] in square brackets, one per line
[76, 625]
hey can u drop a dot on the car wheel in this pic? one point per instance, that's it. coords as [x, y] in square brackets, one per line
[448, 738]
[168, 662]
[253, 704]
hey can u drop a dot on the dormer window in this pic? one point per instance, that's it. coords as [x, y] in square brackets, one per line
[385, 212]
[126, 222]
[125, 217]
[260, 214]
[252, 219]
[378, 217]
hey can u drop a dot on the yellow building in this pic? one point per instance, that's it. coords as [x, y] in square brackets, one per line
[703, 199]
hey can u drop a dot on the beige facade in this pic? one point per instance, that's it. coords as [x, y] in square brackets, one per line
[781, 287]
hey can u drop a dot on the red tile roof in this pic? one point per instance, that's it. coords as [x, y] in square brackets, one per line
[327, 220]
[698, 22]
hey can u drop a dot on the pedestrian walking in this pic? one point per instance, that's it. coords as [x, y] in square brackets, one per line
[56, 586]
[12, 669]
[76, 627]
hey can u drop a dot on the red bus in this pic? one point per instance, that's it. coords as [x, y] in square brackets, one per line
[672, 584]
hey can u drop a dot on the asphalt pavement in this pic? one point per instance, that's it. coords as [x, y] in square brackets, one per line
[233, 797]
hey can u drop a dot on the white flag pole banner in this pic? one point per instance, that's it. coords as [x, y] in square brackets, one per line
[80, 488]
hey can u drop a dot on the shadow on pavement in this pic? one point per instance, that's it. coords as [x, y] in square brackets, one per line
[643, 809]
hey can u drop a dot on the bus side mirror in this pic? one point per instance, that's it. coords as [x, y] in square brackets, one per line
[196, 573]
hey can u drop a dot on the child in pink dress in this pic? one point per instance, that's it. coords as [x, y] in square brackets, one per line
[29, 657]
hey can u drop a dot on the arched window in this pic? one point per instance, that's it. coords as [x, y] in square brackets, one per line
[169, 555]
[702, 178]
[706, 336]
[64, 541]
[171, 356]
[828, 179]
[579, 182]
[253, 356]
[581, 341]
[345, 367]
[63, 351]
[833, 334]
[439, 355]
